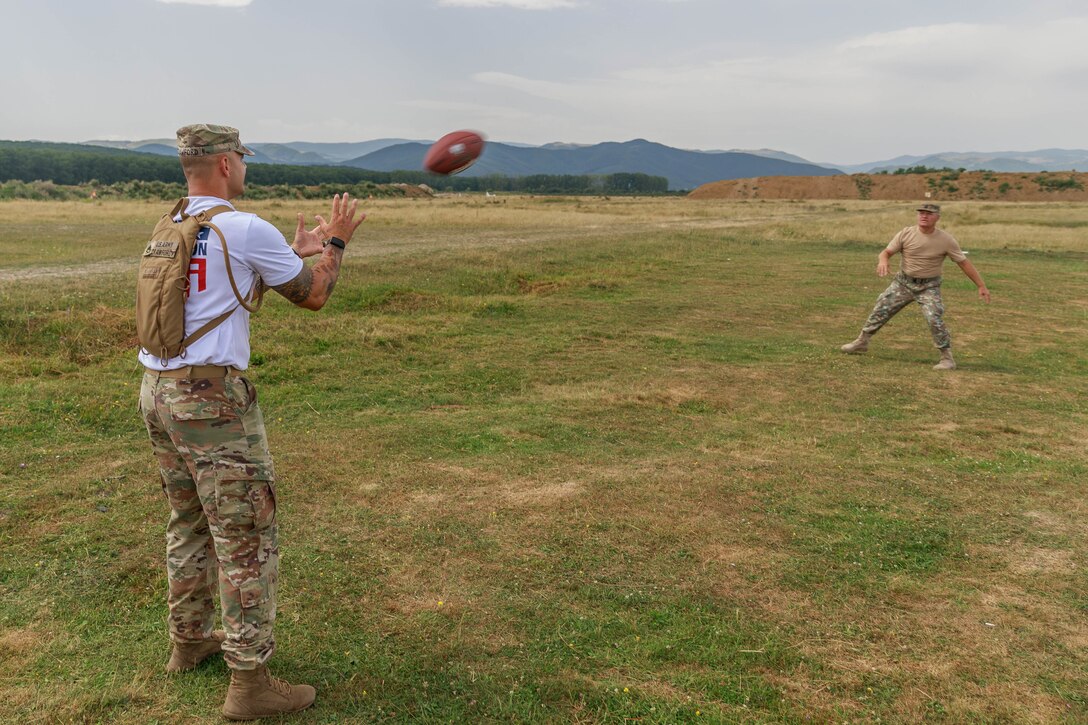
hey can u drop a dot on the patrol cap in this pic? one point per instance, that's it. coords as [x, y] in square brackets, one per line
[206, 139]
[933, 208]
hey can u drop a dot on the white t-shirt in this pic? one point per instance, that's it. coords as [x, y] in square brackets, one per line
[256, 248]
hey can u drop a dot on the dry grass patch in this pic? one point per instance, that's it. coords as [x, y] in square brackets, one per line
[615, 392]
[19, 645]
[535, 494]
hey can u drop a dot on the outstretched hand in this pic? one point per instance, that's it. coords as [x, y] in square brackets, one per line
[307, 242]
[342, 222]
[984, 293]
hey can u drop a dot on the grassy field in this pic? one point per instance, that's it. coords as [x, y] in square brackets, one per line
[579, 460]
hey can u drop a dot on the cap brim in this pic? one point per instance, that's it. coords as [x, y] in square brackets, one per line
[245, 150]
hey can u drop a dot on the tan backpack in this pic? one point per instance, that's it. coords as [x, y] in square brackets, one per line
[163, 284]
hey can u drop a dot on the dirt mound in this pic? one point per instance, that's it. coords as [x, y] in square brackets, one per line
[937, 186]
[414, 191]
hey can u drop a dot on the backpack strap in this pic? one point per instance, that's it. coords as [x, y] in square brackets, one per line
[179, 208]
[204, 218]
[258, 288]
[205, 329]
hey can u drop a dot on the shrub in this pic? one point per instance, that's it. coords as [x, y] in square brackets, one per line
[1053, 183]
[864, 183]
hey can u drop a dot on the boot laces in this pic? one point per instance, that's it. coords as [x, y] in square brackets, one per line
[282, 687]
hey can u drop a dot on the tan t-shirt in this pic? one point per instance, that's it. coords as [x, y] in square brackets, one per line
[923, 254]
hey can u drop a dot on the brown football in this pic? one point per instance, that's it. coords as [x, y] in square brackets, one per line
[454, 152]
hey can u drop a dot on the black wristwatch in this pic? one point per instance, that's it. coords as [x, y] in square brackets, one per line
[336, 242]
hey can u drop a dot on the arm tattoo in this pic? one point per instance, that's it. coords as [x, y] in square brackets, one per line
[319, 279]
[328, 269]
[298, 289]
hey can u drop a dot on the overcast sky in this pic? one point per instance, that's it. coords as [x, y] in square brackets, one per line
[843, 81]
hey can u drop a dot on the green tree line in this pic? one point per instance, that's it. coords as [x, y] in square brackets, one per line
[73, 165]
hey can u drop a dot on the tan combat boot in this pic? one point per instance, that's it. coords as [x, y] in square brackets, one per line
[187, 655]
[946, 363]
[859, 345]
[256, 693]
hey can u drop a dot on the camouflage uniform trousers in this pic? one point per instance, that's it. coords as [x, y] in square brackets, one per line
[209, 438]
[901, 292]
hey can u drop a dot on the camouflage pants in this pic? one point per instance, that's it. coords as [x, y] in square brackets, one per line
[209, 439]
[901, 292]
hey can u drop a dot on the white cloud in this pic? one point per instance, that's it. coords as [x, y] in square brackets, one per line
[519, 4]
[214, 3]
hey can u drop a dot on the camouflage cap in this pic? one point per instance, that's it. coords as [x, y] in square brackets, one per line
[205, 139]
[932, 208]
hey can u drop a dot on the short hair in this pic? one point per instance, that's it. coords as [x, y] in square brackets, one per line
[196, 167]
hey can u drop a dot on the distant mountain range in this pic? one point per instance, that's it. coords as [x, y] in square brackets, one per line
[1027, 161]
[684, 168]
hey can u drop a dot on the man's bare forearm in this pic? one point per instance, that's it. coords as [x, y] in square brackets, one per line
[974, 276]
[972, 273]
[327, 271]
[313, 286]
[882, 262]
